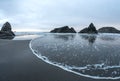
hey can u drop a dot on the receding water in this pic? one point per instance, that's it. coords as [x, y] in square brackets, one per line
[89, 55]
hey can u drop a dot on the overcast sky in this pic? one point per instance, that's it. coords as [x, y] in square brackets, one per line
[45, 15]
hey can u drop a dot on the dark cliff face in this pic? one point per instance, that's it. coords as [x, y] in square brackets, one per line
[108, 30]
[90, 29]
[64, 29]
[6, 31]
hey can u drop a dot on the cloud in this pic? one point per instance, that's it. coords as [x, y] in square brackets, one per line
[48, 14]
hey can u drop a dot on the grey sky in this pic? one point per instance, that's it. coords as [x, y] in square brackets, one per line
[48, 14]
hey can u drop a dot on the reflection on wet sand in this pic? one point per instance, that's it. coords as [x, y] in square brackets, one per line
[108, 38]
[90, 38]
[65, 37]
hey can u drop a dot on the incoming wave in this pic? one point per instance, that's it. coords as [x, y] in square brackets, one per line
[93, 56]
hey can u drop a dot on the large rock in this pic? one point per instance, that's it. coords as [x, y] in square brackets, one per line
[6, 31]
[90, 29]
[64, 29]
[108, 30]
[6, 27]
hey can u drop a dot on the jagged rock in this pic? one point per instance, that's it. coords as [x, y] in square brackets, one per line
[6, 31]
[108, 30]
[64, 29]
[90, 29]
[6, 27]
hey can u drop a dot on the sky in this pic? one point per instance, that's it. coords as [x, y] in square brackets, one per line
[45, 15]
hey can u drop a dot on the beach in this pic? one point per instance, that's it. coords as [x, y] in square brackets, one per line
[18, 63]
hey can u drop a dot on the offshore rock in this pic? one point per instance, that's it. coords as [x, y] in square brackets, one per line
[108, 30]
[64, 29]
[91, 29]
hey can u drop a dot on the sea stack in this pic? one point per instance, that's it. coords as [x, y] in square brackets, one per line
[108, 30]
[91, 29]
[64, 29]
[6, 31]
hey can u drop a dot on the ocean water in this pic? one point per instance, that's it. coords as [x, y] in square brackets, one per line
[28, 35]
[89, 55]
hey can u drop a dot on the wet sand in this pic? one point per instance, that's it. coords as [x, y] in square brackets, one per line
[18, 63]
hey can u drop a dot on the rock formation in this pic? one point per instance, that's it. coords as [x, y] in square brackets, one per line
[108, 30]
[64, 29]
[90, 29]
[6, 31]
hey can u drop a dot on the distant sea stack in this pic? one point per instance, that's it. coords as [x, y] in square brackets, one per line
[91, 29]
[6, 31]
[64, 29]
[108, 30]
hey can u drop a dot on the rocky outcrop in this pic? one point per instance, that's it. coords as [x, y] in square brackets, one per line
[90, 29]
[108, 30]
[64, 29]
[6, 31]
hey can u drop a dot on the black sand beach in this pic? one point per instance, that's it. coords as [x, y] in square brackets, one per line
[18, 63]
